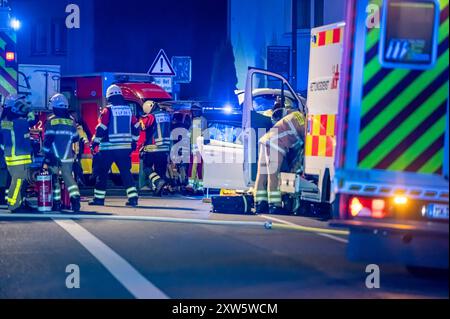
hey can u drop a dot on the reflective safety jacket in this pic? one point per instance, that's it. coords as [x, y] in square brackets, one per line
[288, 133]
[118, 128]
[157, 127]
[60, 134]
[15, 141]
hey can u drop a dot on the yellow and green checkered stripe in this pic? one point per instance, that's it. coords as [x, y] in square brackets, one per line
[8, 76]
[403, 119]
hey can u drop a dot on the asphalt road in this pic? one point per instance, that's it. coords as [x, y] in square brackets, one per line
[151, 259]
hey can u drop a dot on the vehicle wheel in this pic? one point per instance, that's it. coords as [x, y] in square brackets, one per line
[426, 272]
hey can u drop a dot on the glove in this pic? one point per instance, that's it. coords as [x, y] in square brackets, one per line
[94, 148]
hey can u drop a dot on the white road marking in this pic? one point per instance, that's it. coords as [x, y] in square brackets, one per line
[336, 238]
[128, 276]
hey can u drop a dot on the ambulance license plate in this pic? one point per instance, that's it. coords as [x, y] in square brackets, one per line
[437, 211]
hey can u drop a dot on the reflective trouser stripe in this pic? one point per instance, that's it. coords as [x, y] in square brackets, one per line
[99, 194]
[12, 201]
[73, 191]
[261, 196]
[275, 198]
[57, 193]
[132, 192]
[154, 178]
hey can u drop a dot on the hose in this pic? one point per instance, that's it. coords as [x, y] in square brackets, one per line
[267, 225]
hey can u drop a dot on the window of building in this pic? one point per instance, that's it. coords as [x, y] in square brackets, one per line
[310, 13]
[39, 38]
[59, 37]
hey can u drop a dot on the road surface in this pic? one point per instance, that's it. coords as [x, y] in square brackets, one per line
[154, 259]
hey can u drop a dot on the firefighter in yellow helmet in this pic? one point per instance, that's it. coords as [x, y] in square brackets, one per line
[287, 133]
[16, 145]
[60, 135]
[155, 152]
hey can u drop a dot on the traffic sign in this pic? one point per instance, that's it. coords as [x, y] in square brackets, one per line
[161, 66]
[183, 69]
[164, 82]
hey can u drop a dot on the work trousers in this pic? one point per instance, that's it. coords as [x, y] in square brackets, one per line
[155, 166]
[19, 181]
[65, 170]
[267, 186]
[122, 159]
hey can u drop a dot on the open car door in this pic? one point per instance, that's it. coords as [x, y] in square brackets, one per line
[257, 112]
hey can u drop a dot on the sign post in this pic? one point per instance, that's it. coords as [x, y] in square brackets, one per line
[162, 71]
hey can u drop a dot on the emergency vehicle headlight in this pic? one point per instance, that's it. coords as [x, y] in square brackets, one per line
[400, 200]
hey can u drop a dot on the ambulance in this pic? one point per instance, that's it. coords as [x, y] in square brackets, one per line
[376, 149]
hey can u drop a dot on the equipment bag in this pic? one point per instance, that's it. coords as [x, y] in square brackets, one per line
[232, 204]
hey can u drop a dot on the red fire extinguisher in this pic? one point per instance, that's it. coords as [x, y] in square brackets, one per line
[45, 196]
[65, 198]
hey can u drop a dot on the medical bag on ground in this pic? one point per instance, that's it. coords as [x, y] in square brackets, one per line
[232, 204]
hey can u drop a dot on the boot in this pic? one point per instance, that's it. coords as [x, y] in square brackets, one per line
[97, 202]
[159, 187]
[76, 205]
[132, 202]
[57, 206]
[261, 207]
[277, 210]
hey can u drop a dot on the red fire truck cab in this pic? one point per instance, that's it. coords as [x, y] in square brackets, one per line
[86, 94]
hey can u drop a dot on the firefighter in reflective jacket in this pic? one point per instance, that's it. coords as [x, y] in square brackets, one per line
[156, 149]
[16, 145]
[4, 175]
[288, 133]
[116, 136]
[60, 135]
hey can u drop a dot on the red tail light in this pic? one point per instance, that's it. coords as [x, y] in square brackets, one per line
[367, 207]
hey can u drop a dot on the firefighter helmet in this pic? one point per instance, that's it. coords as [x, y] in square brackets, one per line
[113, 90]
[18, 104]
[59, 101]
[149, 107]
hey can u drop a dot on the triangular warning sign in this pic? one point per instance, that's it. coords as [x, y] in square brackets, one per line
[161, 66]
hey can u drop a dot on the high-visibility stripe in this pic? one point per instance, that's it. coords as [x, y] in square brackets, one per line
[8, 76]
[13, 200]
[404, 112]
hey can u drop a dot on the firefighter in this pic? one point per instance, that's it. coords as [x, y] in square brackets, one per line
[287, 133]
[116, 138]
[16, 144]
[60, 135]
[3, 168]
[156, 149]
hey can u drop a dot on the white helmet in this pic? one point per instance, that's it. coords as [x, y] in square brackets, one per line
[59, 101]
[18, 104]
[148, 107]
[113, 90]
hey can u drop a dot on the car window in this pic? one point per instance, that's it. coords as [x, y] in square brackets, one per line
[264, 103]
[225, 133]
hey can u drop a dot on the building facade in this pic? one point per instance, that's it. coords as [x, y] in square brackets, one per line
[254, 25]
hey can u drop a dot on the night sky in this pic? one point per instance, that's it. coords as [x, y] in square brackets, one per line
[130, 33]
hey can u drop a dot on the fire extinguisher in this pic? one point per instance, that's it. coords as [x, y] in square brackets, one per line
[45, 196]
[65, 198]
